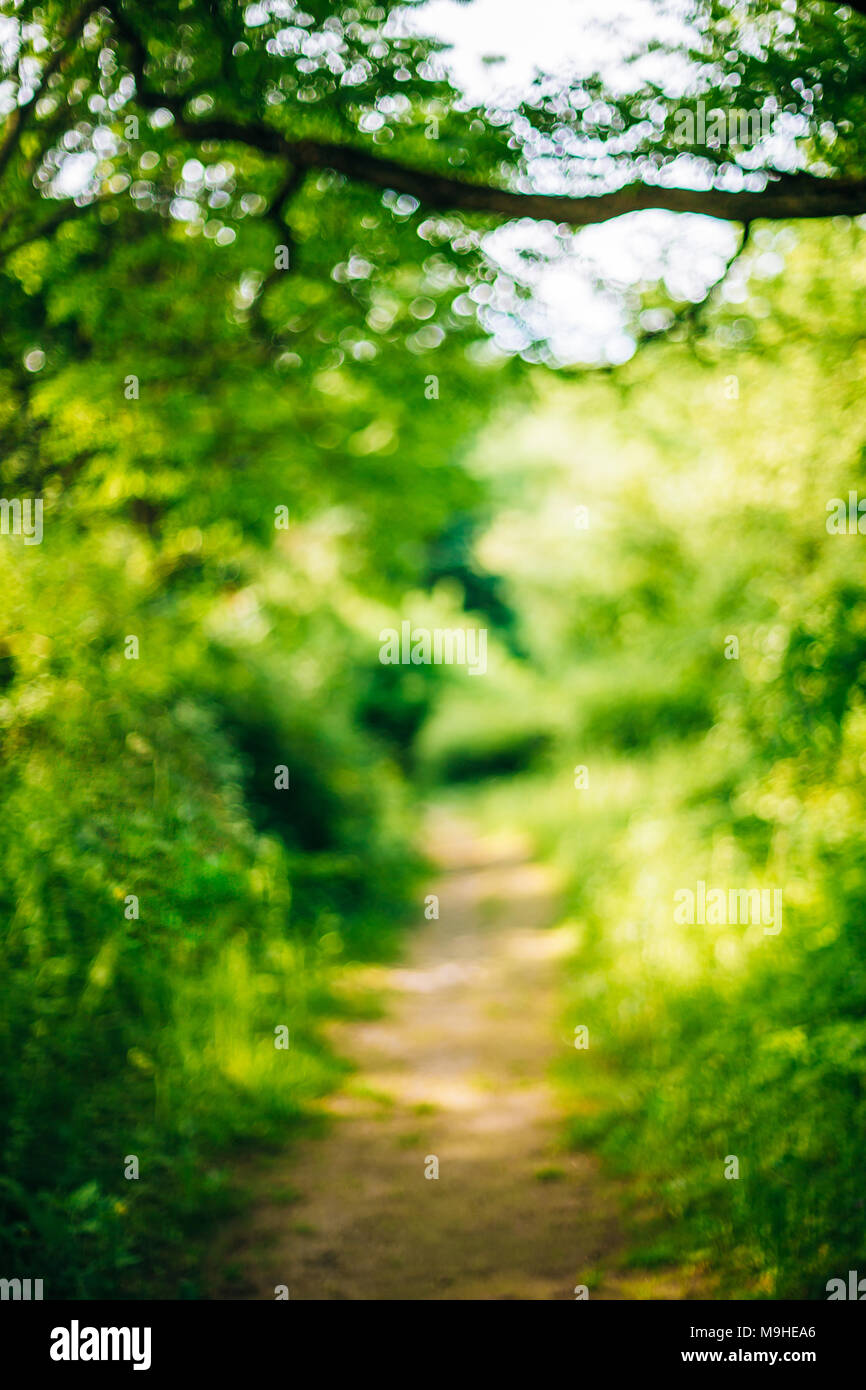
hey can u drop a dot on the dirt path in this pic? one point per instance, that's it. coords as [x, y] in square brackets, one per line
[455, 1070]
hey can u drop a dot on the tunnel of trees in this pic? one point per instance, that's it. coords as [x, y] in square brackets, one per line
[248, 366]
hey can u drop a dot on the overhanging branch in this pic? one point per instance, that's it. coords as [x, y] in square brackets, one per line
[784, 197]
[787, 196]
[795, 196]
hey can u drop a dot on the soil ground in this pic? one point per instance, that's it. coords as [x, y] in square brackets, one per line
[456, 1070]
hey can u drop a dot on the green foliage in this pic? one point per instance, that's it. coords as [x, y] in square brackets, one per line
[201, 330]
[166, 392]
[707, 519]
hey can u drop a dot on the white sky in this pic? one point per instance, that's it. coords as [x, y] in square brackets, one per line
[564, 37]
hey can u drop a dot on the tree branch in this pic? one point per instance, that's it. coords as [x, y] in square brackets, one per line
[284, 194]
[788, 196]
[784, 197]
